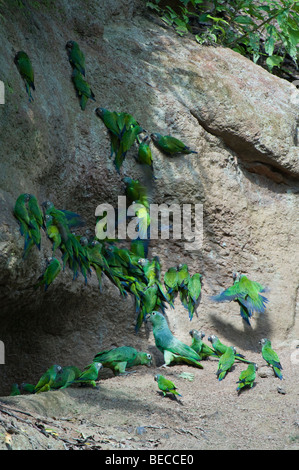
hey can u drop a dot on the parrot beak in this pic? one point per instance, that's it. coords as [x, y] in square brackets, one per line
[147, 317]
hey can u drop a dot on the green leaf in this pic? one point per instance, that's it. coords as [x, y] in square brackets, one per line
[293, 35]
[274, 61]
[244, 20]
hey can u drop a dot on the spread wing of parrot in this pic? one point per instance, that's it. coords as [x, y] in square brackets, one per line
[173, 349]
[170, 145]
[166, 386]
[271, 357]
[76, 56]
[247, 293]
[25, 68]
[247, 377]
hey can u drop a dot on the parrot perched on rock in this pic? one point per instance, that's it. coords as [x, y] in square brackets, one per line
[124, 130]
[89, 374]
[28, 388]
[226, 362]
[144, 153]
[51, 272]
[15, 390]
[35, 212]
[202, 349]
[25, 68]
[67, 375]
[171, 282]
[247, 377]
[170, 145]
[83, 89]
[118, 359]
[166, 386]
[76, 56]
[47, 378]
[248, 295]
[194, 290]
[271, 357]
[21, 212]
[173, 349]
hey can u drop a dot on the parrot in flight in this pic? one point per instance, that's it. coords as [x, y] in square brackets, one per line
[166, 386]
[51, 272]
[248, 295]
[226, 362]
[271, 357]
[118, 359]
[25, 68]
[170, 145]
[83, 89]
[247, 377]
[76, 56]
[173, 349]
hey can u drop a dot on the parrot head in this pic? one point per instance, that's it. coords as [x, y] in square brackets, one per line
[70, 44]
[156, 378]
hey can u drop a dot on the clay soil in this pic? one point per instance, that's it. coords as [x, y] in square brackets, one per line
[129, 412]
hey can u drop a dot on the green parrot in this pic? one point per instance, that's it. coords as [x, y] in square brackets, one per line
[226, 362]
[271, 357]
[67, 375]
[183, 275]
[118, 359]
[170, 145]
[247, 377]
[221, 348]
[144, 153]
[171, 282]
[35, 211]
[21, 213]
[248, 295]
[76, 56]
[173, 349]
[82, 88]
[149, 301]
[194, 290]
[166, 386]
[68, 218]
[51, 272]
[15, 390]
[128, 138]
[109, 118]
[89, 374]
[25, 68]
[202, 349]
[47, 378]
[26, 387]
[52, 232]
[135, 191]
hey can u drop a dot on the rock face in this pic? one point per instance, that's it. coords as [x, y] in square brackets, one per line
[240, 119]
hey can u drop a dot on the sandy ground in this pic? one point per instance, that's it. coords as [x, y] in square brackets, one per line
[129, 412]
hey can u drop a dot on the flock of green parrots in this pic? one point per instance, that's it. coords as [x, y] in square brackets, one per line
[129, 269]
